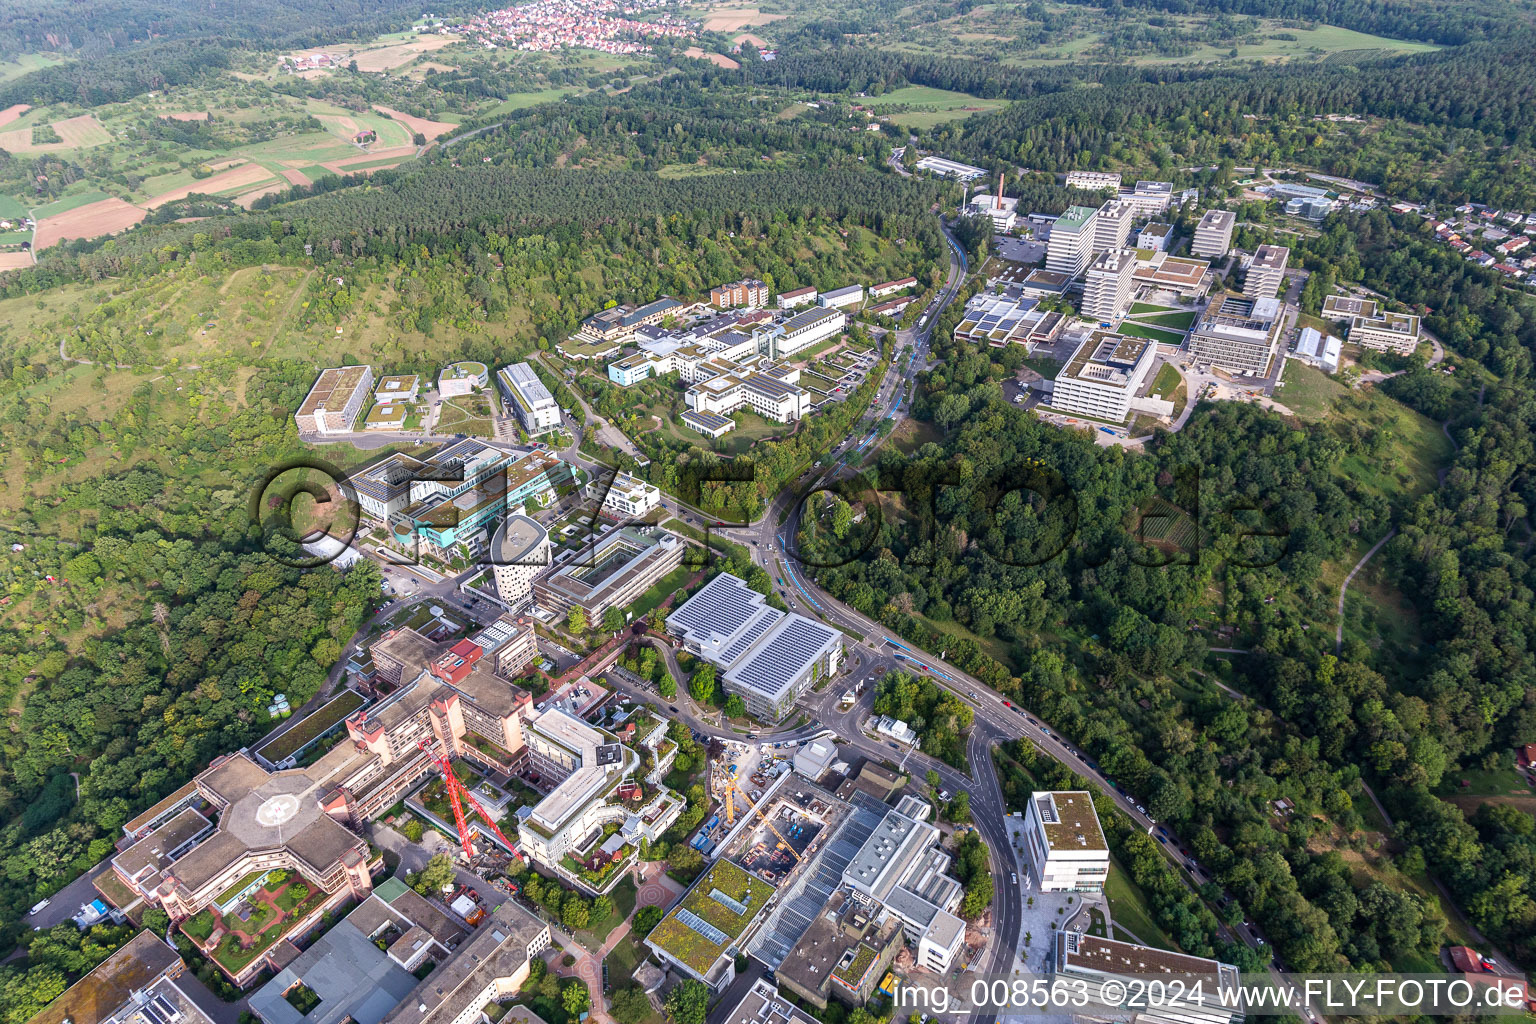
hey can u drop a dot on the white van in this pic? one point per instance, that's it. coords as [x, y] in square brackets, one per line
[37, 908]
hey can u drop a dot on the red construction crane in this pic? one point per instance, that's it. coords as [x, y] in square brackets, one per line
[458, 796]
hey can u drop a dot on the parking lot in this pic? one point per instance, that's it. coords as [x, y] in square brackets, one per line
[1020, 250]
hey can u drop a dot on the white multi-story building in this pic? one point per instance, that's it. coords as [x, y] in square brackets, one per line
[595, 788]
[1238, 334]
[797, 297]
[492, 965]
[1103, 376]
[901, 869]
[1150, 198]
[803, 330]
[782, 401]
[1155, 236]
[625, 496]
[1065, 843]
[1112, 225]
[1003, 210]
[842, 298]
[1103, 969]
[332, 405]
[1093, 181]
[1071, 242]
[528, 398]
[1267, 271]
[1388, 332]
[520, 550]
[1108, 286]
[1213, 235]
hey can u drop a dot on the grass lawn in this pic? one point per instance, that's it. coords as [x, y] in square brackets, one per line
[1503, 782]
[715, 540]
[520, 100]
[1136, 330]
[1128, 908]
[466, 414]
[1180, 321]
[940, 105]
[1146, 307]
[11, 209]
[662, 589]
[623, 897]
[1170, 385]
[1308, 391]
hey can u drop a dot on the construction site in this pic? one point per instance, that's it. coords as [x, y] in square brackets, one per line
[780, 841]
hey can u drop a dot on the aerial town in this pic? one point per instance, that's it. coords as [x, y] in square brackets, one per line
[742, 513]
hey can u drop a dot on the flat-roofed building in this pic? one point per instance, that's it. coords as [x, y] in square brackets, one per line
[624, 495]
[519, 552]
[1216, 1000]
[333, 404]
[1071, 243]
[403, 387]
[843, 954]
[387, 416]
[621, 322]
[1006, 319]
[138, 984]
[842, 298]
[1345, 308]
[1238, 334]
[724, 388]
[462, 378]
[1179, 274]
[1266, 272]
[803, 330]
[710, 424]
[612, 573]
[1387, 332]
[491, 966]
[748, 292]
[1108, 285]
[1093, 181]
[769, 658]
[528, 398]
[950, 168]
[764, 1005]
[1103, 375]
[701, 934]
[1156, 236]
[1001, 210]
[458, 517]
[1043, 284]
[1112, 225]
[797, 297]
[1065, 842]
[1150, 198]
[901, 869]
[1213, 235]
[594, 788]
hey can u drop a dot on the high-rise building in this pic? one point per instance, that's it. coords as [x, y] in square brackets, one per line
[1071, 243]
[1213, 235]
[1108, 285]
[519, 551]
[1103, 376]
[1267, 271]
[1112, 226]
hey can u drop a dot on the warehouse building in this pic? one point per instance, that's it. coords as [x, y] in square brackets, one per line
[768, 657]
[950, 168]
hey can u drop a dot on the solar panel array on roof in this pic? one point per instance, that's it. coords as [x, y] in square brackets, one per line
[783, 656]
[719, 608]
[747, 639]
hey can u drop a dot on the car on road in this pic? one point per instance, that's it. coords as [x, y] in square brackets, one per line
[673, 709]
[973, 696]
[1006, 704]
[1015, 878]
[1140, 809]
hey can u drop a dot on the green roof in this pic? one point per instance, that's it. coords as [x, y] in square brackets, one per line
[688, 945]
[390, 889]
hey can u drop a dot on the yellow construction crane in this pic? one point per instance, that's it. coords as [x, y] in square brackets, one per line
[731, 789]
